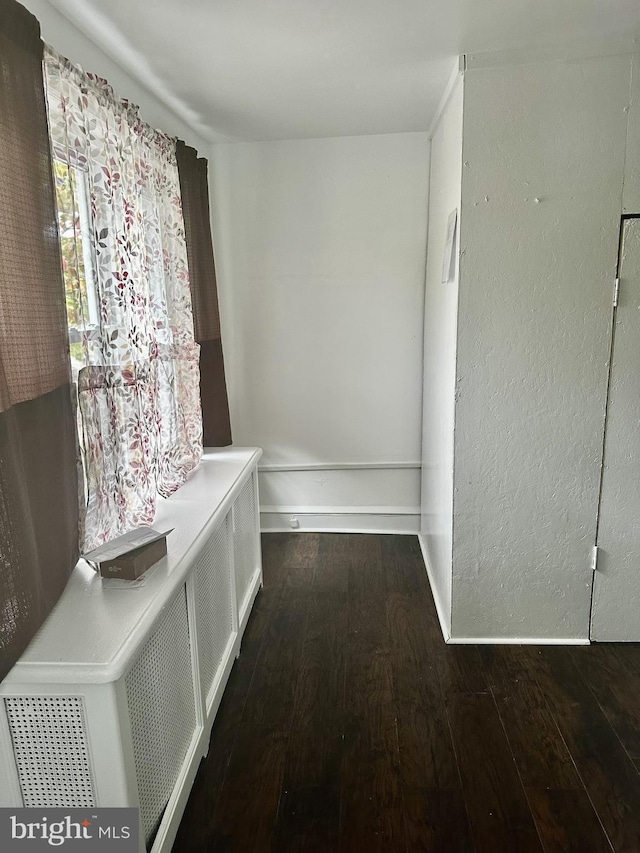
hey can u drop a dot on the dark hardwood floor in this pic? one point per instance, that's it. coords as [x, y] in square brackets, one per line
[348, 725]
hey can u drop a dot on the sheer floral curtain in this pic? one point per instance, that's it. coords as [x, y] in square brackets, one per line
[133, 347]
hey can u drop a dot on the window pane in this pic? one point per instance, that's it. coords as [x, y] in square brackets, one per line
[74, 224]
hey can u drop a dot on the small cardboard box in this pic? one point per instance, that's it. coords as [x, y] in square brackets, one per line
[133, 564]
[130, 555]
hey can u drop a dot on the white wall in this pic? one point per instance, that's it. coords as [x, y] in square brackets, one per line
[62, 35]
[320, 249]
[631, 192]
[543, 153]
[440, 335]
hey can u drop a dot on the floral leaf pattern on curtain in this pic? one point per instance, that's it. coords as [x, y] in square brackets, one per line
[137, 374]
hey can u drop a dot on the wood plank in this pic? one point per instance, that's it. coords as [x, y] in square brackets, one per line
[427, 757]
[409, 640]
[273, 686]
[436, 821]
[198, 824]
[501, 821]
[245, 814]
[460, 669]
[208, 783]
[617, 689]
[320, 688]
[288, 567]
[369, 694]
[281, 551]
[372, 808]
[254, 635]
[294, 587]
[540, 752]
[629, 653]
[285, 588]
[350, 550]
[609, 775]
[567, 822]
[403, 564]
[308, 821]
[369, 681]
[331, 578]
[367, 621]
[314, 757]
[369, 670]
[367, 575]
[350, 566]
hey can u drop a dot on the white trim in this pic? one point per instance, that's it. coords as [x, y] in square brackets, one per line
[10, 793]
[460, 65]
[174, 810]
[444, 622]
[340, 510]
[245, 608]
[271, 468]
[348, 521]
[518, 641]
[213, 698]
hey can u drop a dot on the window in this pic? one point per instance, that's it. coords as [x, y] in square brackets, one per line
[134, 356]
[74, 218]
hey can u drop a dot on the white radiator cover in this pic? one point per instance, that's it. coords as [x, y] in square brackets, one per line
[113, 702]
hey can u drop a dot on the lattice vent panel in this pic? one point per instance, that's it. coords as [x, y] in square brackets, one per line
[246, 545]
[51, 751]
[214, 603]
[161, 702]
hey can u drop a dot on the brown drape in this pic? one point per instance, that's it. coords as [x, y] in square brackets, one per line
[38, 473]
[194, 189]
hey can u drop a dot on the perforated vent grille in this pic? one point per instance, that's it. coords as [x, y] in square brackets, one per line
[245, 537]
[162, 708]
[215, 607]
[51, 752]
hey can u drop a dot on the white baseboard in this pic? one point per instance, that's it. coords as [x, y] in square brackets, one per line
[361, 519]
[287, 467]
[518, 641]
[443, 617]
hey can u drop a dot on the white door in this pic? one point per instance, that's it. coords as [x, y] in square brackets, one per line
[616, 591]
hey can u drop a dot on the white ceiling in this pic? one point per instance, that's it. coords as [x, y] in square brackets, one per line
[287, 69]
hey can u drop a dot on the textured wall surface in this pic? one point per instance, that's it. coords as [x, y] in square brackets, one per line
[631, 196]
[543, 161]
[616, 593]
[320, 246]
[440, 320]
